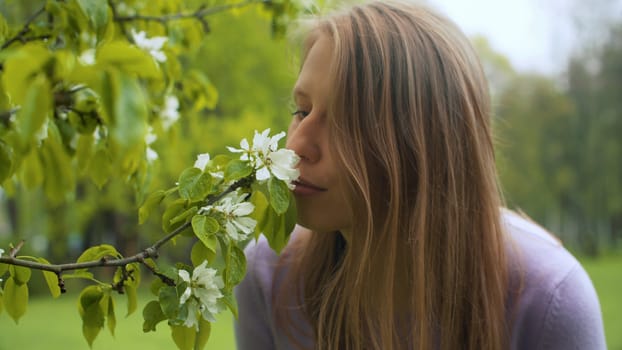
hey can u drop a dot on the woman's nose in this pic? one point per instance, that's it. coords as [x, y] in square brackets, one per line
[304, 140]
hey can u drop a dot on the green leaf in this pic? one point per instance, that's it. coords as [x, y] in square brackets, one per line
[130, 113]
[194, 184]
[15, 299]
[183, 216]
[3, 268]
[172, 211]
[237, 169]
[91, 312]
[201, 253]
[59, 179]
[152, 313]
[279, 195]
[260, 213]
[204, 228]
[6, 161]
[169, 301]
[98, 252]
[32, 171]
[51, 279]
[19, 71]
[205, 329]
[183, 337]
[20, 274]
[151, 202]
[128, 58]
[111, 318]
[34, 111]
[96, 11]
[236, 267]
[232, 304]
[100, 167]
[132, 299]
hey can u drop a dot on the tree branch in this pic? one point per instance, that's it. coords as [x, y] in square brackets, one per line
[150, 252]
[199, 14]
[21, 35]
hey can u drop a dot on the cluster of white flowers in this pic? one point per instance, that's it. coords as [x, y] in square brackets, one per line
[202, 294]
[170, 111]
[235, 210]
[150, 138]
[151, 45]
[266, 157]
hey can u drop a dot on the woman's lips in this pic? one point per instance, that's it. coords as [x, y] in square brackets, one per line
[305, 188]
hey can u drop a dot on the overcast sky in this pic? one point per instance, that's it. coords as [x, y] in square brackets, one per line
[534, 34]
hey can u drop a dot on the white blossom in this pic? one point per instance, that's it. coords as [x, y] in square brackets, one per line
[1, 252]
[202, 160]
[151, 45]
[170, 112]
[87, 57]
[235, 210]
[150, 138]
[268, 159]
[202, 294]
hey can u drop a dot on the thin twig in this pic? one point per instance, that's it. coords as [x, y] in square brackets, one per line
[199, 14]
[20, 36]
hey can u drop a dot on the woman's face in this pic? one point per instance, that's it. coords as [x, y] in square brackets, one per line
[319, 193]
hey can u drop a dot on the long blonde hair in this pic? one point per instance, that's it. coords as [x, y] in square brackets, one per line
[409, 116]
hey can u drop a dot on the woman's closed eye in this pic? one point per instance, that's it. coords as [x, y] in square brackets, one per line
[300, 113]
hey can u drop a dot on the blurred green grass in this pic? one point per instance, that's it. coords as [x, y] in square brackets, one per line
[55, 324]
[606, 274]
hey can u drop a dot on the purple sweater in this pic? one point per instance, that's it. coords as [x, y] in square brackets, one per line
[558, 307]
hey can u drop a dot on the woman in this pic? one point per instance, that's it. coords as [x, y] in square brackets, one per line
[402, 243]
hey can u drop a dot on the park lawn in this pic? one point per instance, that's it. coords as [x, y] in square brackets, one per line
[606, 273]
[55, 325]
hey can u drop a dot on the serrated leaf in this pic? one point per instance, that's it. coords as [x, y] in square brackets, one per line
[200, 253]
[279, 195]
[183, 337]
[205, 330]
[194, 184]
[15, 299]
[237, 169]
[169, 301]
[20, 274]
[152, 201]
[51, 279]
[152, 314]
